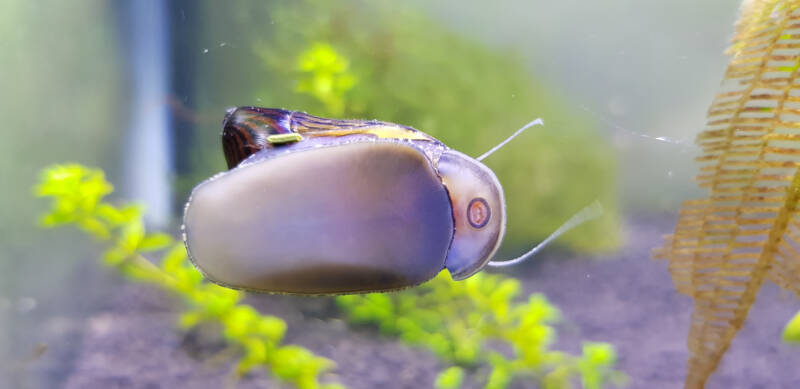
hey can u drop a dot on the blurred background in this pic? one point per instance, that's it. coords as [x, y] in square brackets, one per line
[139, 89]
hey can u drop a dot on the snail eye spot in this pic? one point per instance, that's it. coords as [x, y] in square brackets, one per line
[478, 212]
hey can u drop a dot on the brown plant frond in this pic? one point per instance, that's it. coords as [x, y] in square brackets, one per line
[748, 229]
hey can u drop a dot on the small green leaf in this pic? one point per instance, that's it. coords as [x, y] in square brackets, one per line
[791, 333]
[174, 259]
[293, 361]
[56, 219]
[131, 212]
[238, 320]
[95, 227]
[256, 349]
[154, 242]
[595, 366]
[138, 273]
[189, 319]
[450, 378]
[599, 354]
[272, 328]
[115, 256]
[110, 214]
[500, 378]
[325, 76]
[557, 379]
[132, 235]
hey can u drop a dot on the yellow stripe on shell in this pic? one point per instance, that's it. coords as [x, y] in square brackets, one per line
[383, 132]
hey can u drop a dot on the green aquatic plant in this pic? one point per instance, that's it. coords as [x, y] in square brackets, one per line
[325, 75]
[78, 199]
[464, 322]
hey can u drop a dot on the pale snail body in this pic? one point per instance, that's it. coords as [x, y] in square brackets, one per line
[346, 207]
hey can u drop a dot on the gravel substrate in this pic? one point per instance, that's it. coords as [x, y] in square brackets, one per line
[625, 298]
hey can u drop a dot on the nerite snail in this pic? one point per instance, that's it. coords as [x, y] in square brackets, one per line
[320, 206]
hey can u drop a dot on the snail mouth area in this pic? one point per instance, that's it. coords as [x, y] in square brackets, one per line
[329, 279]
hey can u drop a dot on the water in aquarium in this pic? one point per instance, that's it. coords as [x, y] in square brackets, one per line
[325, 195]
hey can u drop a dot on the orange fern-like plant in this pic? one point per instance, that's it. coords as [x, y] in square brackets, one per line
[748, 229]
